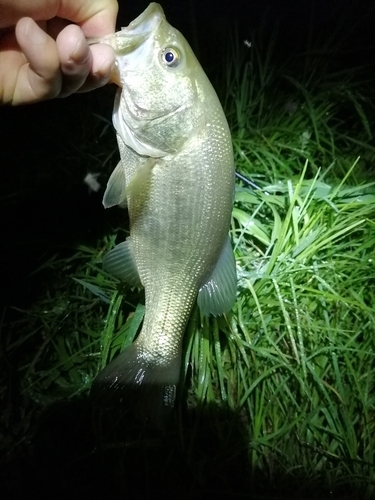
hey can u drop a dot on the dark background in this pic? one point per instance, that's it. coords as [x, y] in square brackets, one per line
[47, 148]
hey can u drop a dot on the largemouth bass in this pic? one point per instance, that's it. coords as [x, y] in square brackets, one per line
[176, 176]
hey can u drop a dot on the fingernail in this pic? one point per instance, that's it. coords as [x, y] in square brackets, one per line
[81, 53]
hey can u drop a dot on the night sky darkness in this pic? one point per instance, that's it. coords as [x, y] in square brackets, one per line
[44, 203]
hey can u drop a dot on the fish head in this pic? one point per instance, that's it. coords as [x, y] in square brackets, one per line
[159, 105]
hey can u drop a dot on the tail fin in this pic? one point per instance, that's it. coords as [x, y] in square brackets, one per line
[149, 389]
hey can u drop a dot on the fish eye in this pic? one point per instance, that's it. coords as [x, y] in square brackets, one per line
[170, 57]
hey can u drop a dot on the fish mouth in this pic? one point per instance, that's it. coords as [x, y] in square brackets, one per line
[133, 36]
[146, 22]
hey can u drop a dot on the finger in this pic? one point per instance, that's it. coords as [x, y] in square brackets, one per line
[84, 68]
[98, 15]
[96, 18]
[40, 78]
[103, 64]
[75, 58]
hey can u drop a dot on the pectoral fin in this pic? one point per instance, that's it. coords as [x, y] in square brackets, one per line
[120, 263]
[117, 191]
[140, 183]
[115, 194]
[218, 294]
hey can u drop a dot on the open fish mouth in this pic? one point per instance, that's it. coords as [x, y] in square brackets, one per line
[133, 36]
[130, 38]
[146, 22]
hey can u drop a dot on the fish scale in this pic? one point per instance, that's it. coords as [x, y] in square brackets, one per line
[176, 176]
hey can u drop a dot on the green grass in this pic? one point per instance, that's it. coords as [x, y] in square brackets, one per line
[293, 365]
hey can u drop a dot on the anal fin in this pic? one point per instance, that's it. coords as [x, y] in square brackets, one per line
[218, 294]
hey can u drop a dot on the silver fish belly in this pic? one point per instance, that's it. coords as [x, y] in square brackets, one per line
[176, 176]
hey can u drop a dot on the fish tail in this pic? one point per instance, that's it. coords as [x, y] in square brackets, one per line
[143, 386]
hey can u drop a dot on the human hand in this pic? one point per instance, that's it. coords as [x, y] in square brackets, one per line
[42, 56]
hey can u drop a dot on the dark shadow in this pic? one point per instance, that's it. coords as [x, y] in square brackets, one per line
[81, 452]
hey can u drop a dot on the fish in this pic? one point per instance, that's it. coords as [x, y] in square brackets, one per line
[176, 177]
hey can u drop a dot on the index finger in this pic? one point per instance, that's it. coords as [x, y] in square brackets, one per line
[96, 18]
